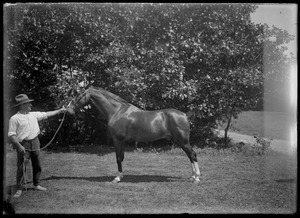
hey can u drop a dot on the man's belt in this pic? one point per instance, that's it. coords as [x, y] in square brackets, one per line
[30, 141]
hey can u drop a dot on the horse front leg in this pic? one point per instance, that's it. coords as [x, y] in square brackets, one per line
[119, 149]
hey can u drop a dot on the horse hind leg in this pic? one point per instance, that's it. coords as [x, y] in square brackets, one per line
[187, 148]
[181, 133]
[196, 172]
[193, 158]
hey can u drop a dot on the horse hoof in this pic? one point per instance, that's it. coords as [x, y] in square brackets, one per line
[115, 181]
[197, 180]
[192, 178]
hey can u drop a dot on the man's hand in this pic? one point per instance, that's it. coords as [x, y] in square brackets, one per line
[63, 109]
[22, 149]
[58, 111]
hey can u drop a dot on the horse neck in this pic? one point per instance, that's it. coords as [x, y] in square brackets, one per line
[106, 106]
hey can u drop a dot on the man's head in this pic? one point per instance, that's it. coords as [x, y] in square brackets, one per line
[23, 102]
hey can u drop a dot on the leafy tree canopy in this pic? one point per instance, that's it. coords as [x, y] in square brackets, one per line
[209, 58]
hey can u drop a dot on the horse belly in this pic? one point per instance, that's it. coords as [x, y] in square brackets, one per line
[147, 130]
[149, 136]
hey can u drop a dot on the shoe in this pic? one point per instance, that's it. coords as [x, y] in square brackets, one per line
[40, 188]
[18, 194]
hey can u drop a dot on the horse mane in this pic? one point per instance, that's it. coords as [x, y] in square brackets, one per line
[109, 94]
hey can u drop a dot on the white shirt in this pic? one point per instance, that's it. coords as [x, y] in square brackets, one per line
[25, 126]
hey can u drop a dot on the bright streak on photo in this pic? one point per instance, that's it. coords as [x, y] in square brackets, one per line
[293, 138]
[293, 105]
[293, 85]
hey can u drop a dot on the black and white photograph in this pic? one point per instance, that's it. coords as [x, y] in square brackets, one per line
[150, 108]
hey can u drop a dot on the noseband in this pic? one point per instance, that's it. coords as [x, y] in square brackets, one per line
[75, 103]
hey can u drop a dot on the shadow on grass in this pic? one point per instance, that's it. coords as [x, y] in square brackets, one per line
[10, 190]
[286, 180]
[126, 178]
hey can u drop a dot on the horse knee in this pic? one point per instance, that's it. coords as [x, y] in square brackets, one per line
[193, 157]
[119, 159]
[190, 153]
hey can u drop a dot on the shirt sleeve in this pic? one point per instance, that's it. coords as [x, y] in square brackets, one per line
[40, 115]
[12, 127]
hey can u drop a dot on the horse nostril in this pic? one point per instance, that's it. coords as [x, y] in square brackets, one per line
[71, 111]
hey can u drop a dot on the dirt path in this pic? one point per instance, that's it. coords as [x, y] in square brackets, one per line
[284, 146]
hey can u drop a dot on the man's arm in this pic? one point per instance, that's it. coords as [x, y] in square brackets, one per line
[15, 141]
[12, 135]
[53, 113]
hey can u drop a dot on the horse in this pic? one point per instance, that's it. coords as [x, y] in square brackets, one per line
[126, 122]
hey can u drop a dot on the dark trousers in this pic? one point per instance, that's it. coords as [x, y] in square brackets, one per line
[36, 166]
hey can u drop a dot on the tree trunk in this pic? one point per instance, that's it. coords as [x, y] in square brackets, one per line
[226, 129]
[228, 124]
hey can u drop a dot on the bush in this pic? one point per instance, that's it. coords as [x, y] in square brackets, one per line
[262, 145]
[259, 148]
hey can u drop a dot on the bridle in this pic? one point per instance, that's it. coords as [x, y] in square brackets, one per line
[74, 105]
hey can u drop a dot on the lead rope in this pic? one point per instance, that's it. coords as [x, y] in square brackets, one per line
[57, 129]
[26, 169]
[55, 132]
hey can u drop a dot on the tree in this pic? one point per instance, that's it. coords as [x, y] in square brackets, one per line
[208, 58]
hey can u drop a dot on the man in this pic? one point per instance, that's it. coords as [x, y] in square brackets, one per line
[23, 131]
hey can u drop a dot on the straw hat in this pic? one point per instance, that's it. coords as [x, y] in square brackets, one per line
[22, 99]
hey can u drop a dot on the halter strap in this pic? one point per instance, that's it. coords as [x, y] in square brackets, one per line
[78, 99]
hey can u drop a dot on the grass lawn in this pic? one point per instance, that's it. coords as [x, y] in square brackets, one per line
[157, 182]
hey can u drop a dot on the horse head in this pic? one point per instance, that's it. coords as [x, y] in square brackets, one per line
[78, 102]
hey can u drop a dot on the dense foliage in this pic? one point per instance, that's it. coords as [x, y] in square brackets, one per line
[205, 58]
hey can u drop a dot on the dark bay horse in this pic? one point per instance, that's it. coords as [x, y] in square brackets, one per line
[127, 122]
